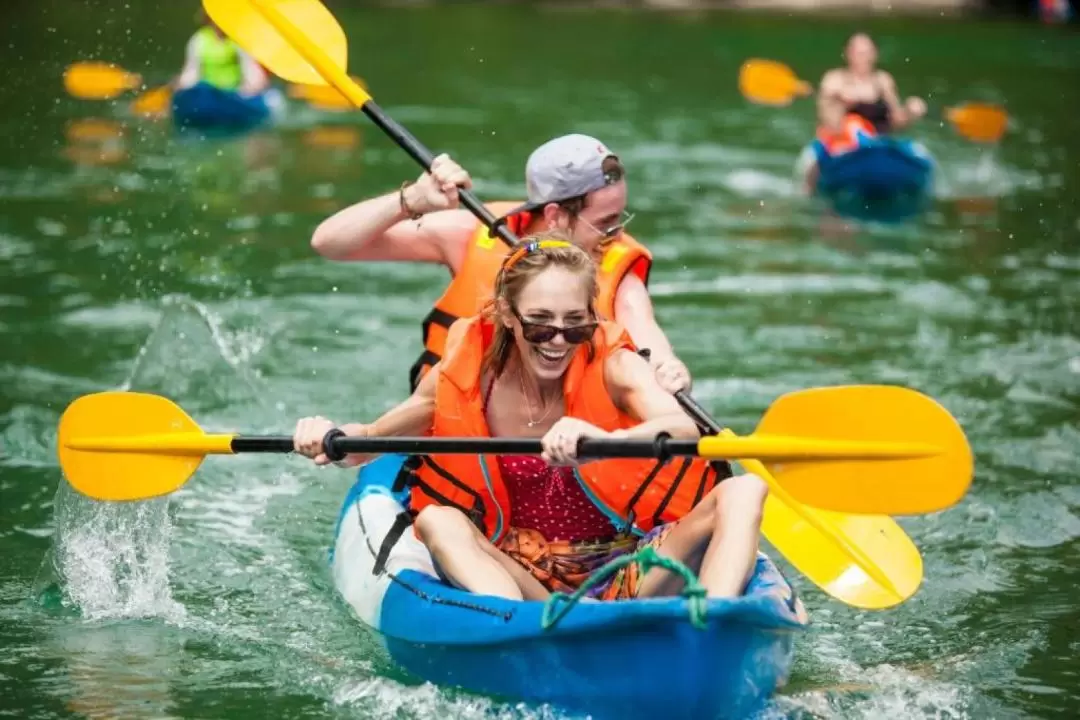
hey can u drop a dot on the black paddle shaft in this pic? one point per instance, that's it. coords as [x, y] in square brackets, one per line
[700, 415]
[422, 155]
[337, 445]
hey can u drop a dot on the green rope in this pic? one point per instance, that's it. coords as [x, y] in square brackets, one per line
[559, 604]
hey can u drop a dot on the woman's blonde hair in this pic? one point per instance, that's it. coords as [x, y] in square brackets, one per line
[535, 254]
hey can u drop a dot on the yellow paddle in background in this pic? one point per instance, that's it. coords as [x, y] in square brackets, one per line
[131, 446]
[153, 102]
[768, 82]
[105, 81]
[324, 97]
[877, 562]
[99, 80]
[979, 122]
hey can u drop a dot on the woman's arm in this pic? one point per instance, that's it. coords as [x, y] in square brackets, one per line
[414, 416]
[900, 114]
[634, 311]
[635, 390]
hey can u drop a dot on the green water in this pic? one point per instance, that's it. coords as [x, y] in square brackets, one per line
[156, 263]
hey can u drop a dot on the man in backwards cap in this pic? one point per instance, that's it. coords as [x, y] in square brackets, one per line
[575, 184]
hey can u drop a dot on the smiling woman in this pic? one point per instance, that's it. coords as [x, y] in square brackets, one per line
[539, 362]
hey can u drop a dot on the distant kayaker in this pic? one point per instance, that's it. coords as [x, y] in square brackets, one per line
[862, 90]
[575, 183]
[539, 362]
[854, 104]
[213, 58]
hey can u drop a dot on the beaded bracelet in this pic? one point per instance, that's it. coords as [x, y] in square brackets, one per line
[404, 205]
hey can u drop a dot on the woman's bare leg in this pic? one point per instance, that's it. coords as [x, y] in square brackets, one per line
[530, 587]
[719, 536]
[732, 552]
[462, 553]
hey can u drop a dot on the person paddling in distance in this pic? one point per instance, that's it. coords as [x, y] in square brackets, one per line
[575, 184]
[213, 58]
[856, 103]
[539, 362]
[860, 98]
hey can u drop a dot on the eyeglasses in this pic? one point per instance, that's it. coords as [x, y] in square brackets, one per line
[612, 232]
[537, 333]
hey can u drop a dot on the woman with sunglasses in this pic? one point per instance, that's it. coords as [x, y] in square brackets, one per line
[538, 363]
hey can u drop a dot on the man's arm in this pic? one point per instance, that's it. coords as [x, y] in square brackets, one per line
[634, 311]
[380, 229]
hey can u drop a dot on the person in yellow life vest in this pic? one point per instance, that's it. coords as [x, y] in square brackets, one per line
[574, 183]
[213, 58]
[540, 362]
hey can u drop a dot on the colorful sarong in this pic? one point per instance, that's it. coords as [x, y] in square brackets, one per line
[563, 566]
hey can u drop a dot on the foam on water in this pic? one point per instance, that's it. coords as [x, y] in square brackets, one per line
[112, 559]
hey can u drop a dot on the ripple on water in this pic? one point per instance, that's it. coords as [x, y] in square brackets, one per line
[1038, 520]
[381, 698]
[775, 284]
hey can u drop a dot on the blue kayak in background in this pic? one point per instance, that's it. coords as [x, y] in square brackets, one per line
[885, 179]
[618, 659]
[205, 107]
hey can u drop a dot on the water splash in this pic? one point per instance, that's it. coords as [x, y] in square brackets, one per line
[114, 559]
[111, 560]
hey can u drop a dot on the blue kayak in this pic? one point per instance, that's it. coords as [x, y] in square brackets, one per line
[885, 179]
[620, 659]
[205, 107]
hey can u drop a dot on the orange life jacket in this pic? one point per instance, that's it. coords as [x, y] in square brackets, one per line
[636, 495]
[474, 283]
[855, 129]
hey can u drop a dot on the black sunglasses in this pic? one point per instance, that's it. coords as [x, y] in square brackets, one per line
[537, 333]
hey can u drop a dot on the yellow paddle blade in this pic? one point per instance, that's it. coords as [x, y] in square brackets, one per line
[979, 122]
[93, 130]
[872, 413]
[131, 446]
[281, 34]
[769, 82]
[153, 102]
[338, 138]
[866, 561]
[98, 80]
[324, 97]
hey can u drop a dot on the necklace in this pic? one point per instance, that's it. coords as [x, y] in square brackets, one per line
[528, 405]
